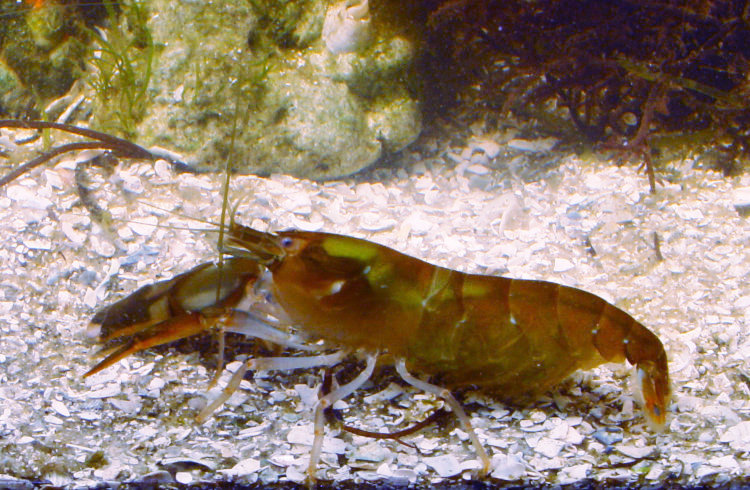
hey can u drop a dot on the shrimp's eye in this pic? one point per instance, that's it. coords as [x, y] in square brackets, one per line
[286, 242]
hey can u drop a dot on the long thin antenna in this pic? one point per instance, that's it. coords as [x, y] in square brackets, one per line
[222, 228]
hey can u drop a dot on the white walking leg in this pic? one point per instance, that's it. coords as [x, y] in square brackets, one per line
[267, 364]
[453, 403]
[328, 400]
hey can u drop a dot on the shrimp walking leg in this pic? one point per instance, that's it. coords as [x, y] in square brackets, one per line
[328, 401]
[267, 364]
[453, 403]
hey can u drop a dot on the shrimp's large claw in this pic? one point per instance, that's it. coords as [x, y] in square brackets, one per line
[167, 331]
[170, 310]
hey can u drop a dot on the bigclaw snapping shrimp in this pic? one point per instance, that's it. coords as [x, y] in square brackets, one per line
[510, 337]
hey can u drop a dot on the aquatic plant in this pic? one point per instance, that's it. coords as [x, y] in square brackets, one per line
[617, 75]
[122, 62]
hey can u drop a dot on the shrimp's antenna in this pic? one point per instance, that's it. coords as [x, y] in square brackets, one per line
[220, 244]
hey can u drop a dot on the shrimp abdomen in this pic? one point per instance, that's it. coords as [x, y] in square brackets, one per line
[518, 338]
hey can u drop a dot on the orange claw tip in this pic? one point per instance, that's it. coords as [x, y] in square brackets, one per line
[94, 370]
[113, 357]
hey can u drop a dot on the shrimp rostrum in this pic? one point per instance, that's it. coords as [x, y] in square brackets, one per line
[510, 337]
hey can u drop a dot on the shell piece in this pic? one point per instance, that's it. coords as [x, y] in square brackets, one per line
[347, 26]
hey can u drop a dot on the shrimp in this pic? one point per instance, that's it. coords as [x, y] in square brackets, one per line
[513, 338]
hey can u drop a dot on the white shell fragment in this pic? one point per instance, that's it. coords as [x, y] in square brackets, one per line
[738, 436]
[508, 468]
[445, 466]
[562, 265]
[575, 473]
[60, 408]
[144, 226]
[27, 197]
[535, 146]
[303, 435]
[549, 447]
[635, 452]
[243, 468]
[184, 477]
[489, 147]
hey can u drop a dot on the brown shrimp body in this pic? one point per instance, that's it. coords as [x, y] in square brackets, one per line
[513, 337]
[373, 296]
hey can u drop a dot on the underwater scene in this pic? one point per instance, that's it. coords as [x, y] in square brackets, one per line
[369, 243]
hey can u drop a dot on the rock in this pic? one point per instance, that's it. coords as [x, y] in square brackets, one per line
[298, 108]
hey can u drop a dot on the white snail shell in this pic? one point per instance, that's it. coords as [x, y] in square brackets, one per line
[347, 26]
